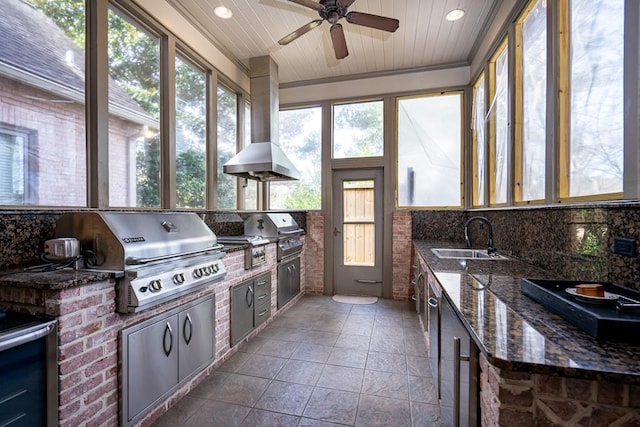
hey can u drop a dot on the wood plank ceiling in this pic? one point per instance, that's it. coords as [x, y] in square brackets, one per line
[425, 39]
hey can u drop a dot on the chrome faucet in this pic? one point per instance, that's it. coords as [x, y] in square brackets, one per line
[491, 249]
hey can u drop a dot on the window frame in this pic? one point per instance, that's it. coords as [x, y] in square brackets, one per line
[30, 136]
[518, 114]
[479, 200]
[503, 48]
[460, 93]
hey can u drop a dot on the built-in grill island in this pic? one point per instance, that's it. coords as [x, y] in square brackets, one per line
[159, 257]
[162, 255]
[284, 230]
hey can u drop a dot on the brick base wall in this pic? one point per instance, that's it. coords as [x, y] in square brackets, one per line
[524, 399]
[88, 338]
[314, 253]
[402, 288]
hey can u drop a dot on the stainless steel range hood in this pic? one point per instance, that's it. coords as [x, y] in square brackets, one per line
[263, 159]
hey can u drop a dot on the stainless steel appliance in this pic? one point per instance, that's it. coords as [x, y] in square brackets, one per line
[453, 356]
[255, 253]
[161, 255]
[284, 230]
[279, 226]
[28, 370]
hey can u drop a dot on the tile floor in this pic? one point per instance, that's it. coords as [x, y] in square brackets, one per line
[321, 363]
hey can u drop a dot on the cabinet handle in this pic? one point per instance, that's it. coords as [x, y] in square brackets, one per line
[432, 302]
[187, 322]
[457, 359]
[262, 313]
[263, 296]
[169, 331]
[262, 283]
[248, 297]
[417, 279]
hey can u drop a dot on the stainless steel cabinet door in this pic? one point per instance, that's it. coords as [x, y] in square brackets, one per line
[152, 363]
[242, 302]
[459, 391]
[196, 337]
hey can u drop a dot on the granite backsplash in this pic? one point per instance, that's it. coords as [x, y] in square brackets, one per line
[23, 233]
[573, 242]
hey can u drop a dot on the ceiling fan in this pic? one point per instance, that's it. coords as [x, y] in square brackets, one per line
[334, 10]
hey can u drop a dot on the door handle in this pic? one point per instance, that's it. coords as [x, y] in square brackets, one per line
[336, 231]
[167, 330]
[432, 302]
[248, 300]
[187, 322]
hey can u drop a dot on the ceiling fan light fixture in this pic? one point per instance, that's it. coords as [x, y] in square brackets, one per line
[455, 14]
[223, 12]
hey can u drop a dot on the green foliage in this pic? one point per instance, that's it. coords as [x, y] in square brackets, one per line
[148, 173]
[190, 172]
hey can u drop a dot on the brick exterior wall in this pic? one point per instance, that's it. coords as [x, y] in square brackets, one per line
[314, 253]
[524, 399]
[402, 288]
[88, 339]
[57, 154]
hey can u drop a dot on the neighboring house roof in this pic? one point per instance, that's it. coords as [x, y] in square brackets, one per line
[36, 51]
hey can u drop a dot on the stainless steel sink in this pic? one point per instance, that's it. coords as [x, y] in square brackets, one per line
[477, 254]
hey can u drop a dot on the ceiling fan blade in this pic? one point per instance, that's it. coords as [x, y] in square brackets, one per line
[300, 31]
[345, 3]
[339, 42]
[310, 4]
[373, 21]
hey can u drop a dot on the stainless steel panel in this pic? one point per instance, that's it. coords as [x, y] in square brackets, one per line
[242, 303]
[151, 365]
[116, 236]
[458, 379]
[272, 225]
[197, 335]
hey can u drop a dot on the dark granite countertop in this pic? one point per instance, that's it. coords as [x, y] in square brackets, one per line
[55, 280]
[67, 277]
[515, 332]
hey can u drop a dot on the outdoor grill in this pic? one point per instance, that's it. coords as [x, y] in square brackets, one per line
[161, 255]
[279, 226]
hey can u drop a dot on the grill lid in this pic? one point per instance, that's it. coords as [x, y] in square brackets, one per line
[271, 225]
[119, 239]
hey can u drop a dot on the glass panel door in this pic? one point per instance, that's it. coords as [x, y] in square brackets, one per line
[358, 232]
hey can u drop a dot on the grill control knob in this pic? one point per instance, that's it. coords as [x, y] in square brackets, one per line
[197, 273]
[215, 268]
[178, 279]
[206, 270]
[155, 285]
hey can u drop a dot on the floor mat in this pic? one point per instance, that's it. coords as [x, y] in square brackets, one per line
[352, 299]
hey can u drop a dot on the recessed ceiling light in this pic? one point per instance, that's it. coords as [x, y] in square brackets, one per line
[455, 14]
[223, 12]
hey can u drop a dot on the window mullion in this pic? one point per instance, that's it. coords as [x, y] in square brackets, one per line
[168, 122]
[563, 96]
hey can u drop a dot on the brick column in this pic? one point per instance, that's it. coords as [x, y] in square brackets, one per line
[401, 255]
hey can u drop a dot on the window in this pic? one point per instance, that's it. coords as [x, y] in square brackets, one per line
[592, 164]
[227, 146]
[15, 170]
[191, 134]
[479, 140]
[134, 109]
[301, 139]
[429, 150]
[499, 125]
[358, 130]
[531, 96]
[43, 95]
